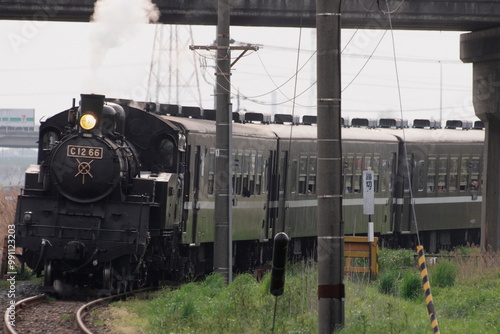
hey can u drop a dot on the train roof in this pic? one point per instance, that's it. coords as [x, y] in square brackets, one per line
[449, 136]
[191, 125]
[282, 131]
[309, 132]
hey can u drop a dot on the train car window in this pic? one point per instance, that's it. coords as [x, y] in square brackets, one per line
[246, 177]
[283, 170]
[442, 169]
[238, 176]
[245, 159]
[421, 175]
[311, 186]
[464, 174]
[475, 177]
[203, 158]
[383, 175]
[258, 174]
[358, 173]
[211, 172]
[368, 162]
[235, 167]
[251, 173]
[266, 174]
[375, 165]
[294, 174]
[303, 175]
[406, 177]
[391, 170]
[453, 179]
[431, 175]
[348, 174]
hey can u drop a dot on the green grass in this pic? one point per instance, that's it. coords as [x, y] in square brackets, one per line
[470, 305]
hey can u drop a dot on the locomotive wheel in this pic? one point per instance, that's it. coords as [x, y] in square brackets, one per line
[113, 281]
[48, 278]
[108, 278]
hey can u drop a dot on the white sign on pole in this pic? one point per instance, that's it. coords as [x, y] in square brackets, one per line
[368, 193]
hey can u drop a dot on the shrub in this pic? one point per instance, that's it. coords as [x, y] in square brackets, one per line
[411, 285]
[23, 275]
[389, 259]
[388, 282]
[444, 273]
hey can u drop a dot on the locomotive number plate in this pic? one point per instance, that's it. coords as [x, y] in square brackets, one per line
[75, 151]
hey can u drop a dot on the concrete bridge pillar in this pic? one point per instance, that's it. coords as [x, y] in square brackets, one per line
[482, 49]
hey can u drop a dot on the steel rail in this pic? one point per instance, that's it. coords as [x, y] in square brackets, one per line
[19, 306]
[82, 311]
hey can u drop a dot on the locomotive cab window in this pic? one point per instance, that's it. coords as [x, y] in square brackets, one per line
[166, 157]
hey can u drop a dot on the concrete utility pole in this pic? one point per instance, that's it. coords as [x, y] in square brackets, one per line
[331, 292]
[222, 188]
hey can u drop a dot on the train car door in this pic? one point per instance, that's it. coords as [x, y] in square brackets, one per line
[282, 200]
[395, 194]
[272, 194]
[276, 213]
[406, 218]
[196, 187]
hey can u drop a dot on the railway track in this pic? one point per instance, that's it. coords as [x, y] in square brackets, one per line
[42, 314]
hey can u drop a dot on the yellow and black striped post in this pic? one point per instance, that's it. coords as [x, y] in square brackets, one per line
[427, 289]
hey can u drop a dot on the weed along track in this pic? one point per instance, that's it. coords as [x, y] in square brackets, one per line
[43, 314]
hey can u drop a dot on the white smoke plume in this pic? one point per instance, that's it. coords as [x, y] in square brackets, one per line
[116, 21]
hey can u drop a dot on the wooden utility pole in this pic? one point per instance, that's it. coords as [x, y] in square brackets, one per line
[331, 292]
[222, 188]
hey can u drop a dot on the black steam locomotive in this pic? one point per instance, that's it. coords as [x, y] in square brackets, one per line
[123, 192]
[89, 212]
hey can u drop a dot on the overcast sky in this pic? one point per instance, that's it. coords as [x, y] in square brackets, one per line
[45, 65]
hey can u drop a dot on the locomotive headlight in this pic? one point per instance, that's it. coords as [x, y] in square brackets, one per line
[88, 121]
[27, 217]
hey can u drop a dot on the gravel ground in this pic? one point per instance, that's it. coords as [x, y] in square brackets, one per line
[22, 290]
[50, 317]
